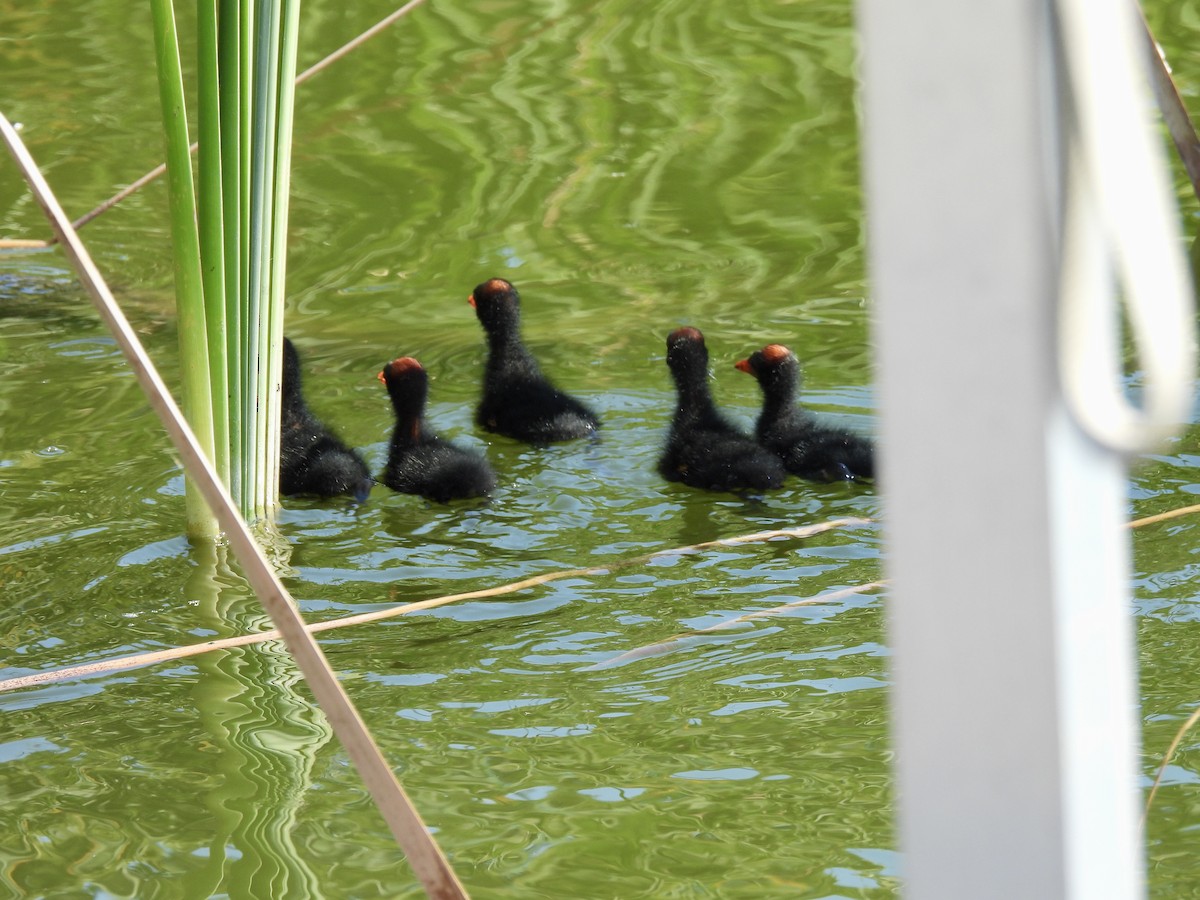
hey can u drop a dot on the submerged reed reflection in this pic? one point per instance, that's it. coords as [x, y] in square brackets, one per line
[264, 738]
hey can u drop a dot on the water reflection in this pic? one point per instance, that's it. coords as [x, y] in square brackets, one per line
[264, 737]
[633, 168]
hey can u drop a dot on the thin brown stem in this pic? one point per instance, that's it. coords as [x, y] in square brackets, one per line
[1195, 716]
[1175, 114]
[22, 244]
[672, 643]
[158, 656]
[1162, 766]
[405, 823]
[162, 168]
[358, 41]
[1164, 516]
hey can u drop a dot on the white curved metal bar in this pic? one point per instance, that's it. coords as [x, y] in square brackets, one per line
[1119, 177]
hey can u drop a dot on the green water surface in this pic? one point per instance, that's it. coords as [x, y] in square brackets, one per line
[632, 167]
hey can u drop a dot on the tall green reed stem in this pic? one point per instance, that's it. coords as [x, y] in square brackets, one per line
[189, 289]
[212, 240]
[281, 188]
[230, 102]
[230, 236]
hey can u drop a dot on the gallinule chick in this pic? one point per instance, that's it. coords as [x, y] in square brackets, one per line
[704, 449]
[807, 447]
[312, 460]
[518, 400]
[420, 462]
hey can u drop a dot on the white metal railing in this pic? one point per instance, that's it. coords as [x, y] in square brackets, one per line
[1014, 703]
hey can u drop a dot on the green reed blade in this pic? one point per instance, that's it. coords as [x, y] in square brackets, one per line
[231, 240]
[229, 74]
[262, 216]
[245, 24]
[210, 203]
[189, 289]
[289, 39]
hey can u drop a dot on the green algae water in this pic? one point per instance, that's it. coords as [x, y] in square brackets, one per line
[631, 168]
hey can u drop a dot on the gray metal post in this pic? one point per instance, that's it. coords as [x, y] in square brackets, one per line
[1014, 708]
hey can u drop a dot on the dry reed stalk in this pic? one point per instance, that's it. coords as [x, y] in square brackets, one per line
[1175, 114]
[1162, 766]
[156, 173]
[158, 656]
[1164, 516]
[665, 646]
[22, 244]
[410, 832]
[1195, 716]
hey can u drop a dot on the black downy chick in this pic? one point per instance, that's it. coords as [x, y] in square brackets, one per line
[518, 400]
[420, 462]
[704, 449]
[312, 460]
[807, 447]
